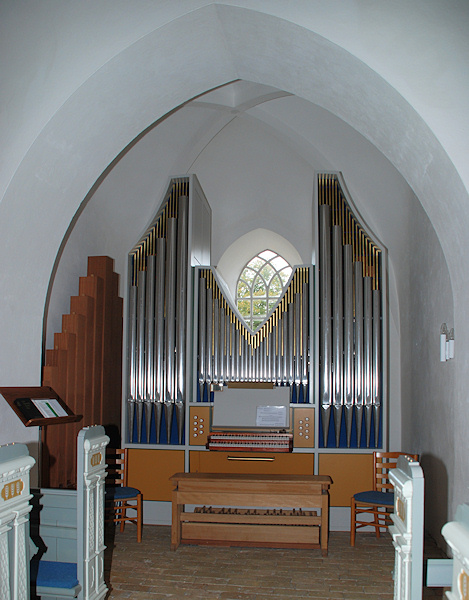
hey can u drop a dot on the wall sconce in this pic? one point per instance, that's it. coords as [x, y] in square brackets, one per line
[446, 343]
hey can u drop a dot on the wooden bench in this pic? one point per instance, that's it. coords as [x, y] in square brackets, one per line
[67, 526]
[251, 510]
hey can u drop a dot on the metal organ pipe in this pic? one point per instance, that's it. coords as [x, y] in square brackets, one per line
[237, 353]
[291, 342]
[181, 308]
[202, 333]
[150, 395]
[170, 324]
[244, 359]
[337, 331]
[325, 325]
[209, 337]
[159, 334]
[233, 351]
[285, 346]
[348, 341]
[141, 391]
[278, 335]
[376, 391]
[222, 344]
[297, 309]
[367, 354]
[216, 340]
[132, 359]
[272, 354]
[263, 360]
[227, 345]
[305, 337]
[358, 341]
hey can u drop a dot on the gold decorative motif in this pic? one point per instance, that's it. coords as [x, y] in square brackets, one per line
[463, 585]
[12, 489]
[96, 459]
[400, 509]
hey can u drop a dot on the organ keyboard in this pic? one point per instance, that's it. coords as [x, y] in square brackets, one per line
[250, 442]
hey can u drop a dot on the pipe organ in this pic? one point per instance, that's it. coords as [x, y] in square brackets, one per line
[278, 352]
[206, 394]
[186, 338]
[350, 323]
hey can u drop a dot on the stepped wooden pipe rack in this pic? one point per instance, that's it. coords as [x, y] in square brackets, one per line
[256, 526]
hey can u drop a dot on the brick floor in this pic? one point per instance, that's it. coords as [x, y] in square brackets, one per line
[150, 571]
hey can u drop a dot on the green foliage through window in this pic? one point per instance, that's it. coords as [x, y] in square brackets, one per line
[260, 285]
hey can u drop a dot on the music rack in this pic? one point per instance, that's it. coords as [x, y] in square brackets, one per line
[21, 400]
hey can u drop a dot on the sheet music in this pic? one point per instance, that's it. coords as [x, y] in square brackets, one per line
[271, 416]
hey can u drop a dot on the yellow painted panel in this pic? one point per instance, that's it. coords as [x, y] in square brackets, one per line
[303, 427]
[263, 462]
[150, 470]
[351, 473]
[199, 425]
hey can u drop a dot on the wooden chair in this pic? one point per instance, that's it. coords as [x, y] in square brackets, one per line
[379, 501]
[121, 498]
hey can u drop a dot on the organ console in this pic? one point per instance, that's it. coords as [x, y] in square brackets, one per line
[250, 442]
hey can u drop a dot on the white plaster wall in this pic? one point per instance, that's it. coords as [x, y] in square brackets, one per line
[429, 395]
[254, 180]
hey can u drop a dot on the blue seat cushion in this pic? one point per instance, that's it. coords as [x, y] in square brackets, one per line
[378, 498]
[47, 573]
[121, 493]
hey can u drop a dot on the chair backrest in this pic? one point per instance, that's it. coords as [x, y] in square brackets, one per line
[383, 462]
[116, 459]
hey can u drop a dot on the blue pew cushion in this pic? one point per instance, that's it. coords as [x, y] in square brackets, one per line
[372, 497]
[46, 573]
[121, 493]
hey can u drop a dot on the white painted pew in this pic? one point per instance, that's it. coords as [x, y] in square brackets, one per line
[407, 529]
[15, 465]
[456, 534]
[68, 528]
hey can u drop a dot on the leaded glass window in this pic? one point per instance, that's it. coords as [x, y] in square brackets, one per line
[260, 285]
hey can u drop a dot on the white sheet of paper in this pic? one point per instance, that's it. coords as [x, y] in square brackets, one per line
[49, 407]
[271, 416]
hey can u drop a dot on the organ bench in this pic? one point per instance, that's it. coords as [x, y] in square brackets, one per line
[251, 510]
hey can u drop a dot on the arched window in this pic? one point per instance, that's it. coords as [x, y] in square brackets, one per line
[260, 285]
